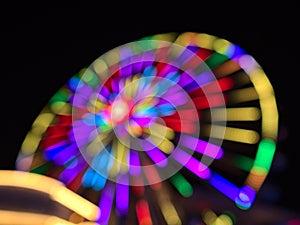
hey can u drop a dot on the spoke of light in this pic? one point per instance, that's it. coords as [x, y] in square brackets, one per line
[242, 95]
[152, 175]
[163, 144]
[122, 194]
[134, 163]
[234, 114]
[231, 134]
[98, 144]
[244, 162]
[106, 203]
[155, 154]
[209, 101]
[169, 212]
[203, 147]
[210, 218]
[224, 186]
[182, 185]
[120, 153]
[57, 191]
[160, 130]
[195, 166]
[143, 212]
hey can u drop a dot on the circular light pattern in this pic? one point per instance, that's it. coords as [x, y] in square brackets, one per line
[154, 118]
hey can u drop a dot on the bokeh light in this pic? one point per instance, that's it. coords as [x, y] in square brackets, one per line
[147, 122]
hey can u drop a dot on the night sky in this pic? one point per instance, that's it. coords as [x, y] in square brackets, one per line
[42, 49]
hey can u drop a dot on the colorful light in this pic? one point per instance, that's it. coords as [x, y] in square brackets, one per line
[150, 111]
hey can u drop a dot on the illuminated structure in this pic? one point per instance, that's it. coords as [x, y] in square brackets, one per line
[154, 118]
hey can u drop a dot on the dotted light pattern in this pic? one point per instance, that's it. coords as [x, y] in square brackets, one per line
[170, 109]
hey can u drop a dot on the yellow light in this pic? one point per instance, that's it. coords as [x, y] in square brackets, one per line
[205, 40]
[42, 122]
[61, 108]
[226, 68]
[169, 212]
[235, 114]
[165, 37]
[270, 118]
[120, 153]
[97, 144]
[76, 203]
[209, 216]
[101, 68]
[113, 57]
[160, 130]
[220, 45]
[57, 191]
[231, 134]
[242, 95]
[184, 38]
[24, 218]
[30, 143]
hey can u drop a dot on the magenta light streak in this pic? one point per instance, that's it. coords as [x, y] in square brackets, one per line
[70, 173]
[208, 149]
[191, 163]
[67, 153]
[81, 133]
[204, 78]
[56, 145]
[167, 68]
[81, 96]
[122, 195]
[157, 156]
[105, 203]
[185, 79]
[134, 168]
[142, 121]
[126, 71]
[115, 85]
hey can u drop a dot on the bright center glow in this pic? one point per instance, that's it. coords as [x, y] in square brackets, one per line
[119, 111]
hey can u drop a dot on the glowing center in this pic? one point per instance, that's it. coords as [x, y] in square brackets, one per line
[119, 112]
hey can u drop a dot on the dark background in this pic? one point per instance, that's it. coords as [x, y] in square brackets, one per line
[41, 49]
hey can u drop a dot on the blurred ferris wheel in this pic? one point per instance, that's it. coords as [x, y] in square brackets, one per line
[150, 121]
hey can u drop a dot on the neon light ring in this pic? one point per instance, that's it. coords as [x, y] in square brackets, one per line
[148, 117]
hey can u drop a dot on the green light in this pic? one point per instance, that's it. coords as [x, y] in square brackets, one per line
[265, 154]
[215, 59]
[61, 96]
[91, 78]
[42, 169]
[182, 185]
[244, 162]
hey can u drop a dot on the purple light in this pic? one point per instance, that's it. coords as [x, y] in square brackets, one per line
[191, 163]
[65, 155]
[105, 203]
[122, 195]
[245, 197]
[203, 147]
[204, 78]
[134, 168]
[224, 186]
[155, 154]
[70, 173]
